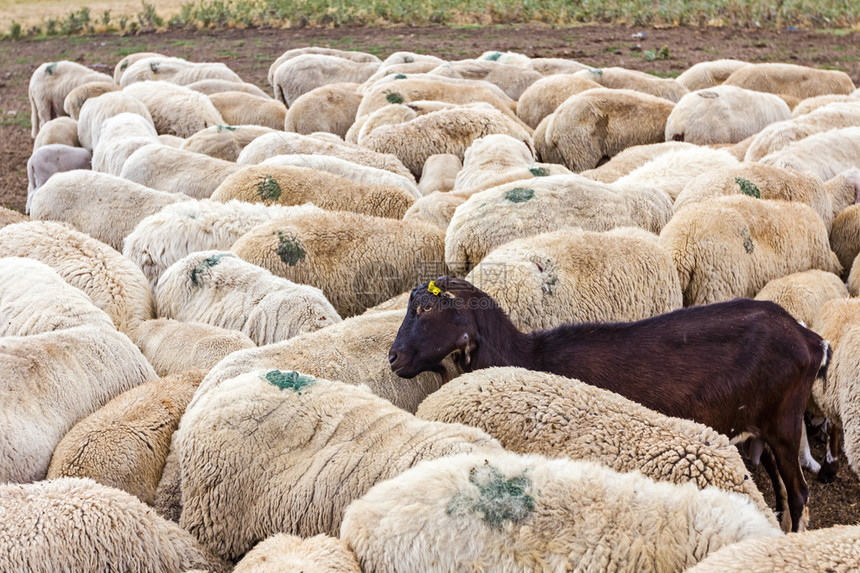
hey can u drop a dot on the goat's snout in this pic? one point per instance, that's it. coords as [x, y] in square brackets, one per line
[392, 357]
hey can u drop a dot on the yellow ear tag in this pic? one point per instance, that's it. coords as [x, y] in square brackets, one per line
[433, 289]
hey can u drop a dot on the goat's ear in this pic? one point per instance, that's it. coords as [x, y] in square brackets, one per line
[467, 345]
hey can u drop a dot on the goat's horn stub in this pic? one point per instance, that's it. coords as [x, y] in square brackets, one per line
[433, 289]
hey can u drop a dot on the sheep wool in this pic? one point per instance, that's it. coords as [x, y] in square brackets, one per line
[122, 135]
[439, 173]
[97, 110]
[329, 108]
[634, 80]
[76, 98]
[301, 74]
[51, 159]
[240, 108]
[731, 246]
[267, 480]
[224, 141]
[512, 79]
[706, 75]
[545, 95]
[73, 524]
[10, 217]
[220, 289]
[437, 208]
[50, 83]
[354, 56]
[812, 103]
[804, 294]
[508, 512]
[215, 86]
[792, 80]
[62, 130]
[124, 443]
[282, 552]
[122, 65]
[825, 154]
[631, 159]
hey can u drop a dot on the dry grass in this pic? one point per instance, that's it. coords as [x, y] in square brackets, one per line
[30, 13]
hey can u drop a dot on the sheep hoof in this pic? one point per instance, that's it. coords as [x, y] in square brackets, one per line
[827, 473]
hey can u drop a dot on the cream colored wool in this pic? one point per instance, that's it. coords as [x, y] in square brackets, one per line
[301, 74]
[420, 66]
[804, 294]
[508, 512]
[579, 276]
[76, 524]
[844, 190]
[271, 451]
[35, 299]
[830, 549]
[121, 135]
[672, 171]
[526, 208]
[354, 351]
[175, 110]
[166, 236]
[853, 281]
[767, 181]
[51, 159]
[284, 553]
[633, 158]
[597, 124]
[283, 143]
[513, 80]
[357, 260]
[545, 95]
[566, 417]
[103, 206]
[621, 78]
[330, 108]
[172, 346]
[507, 58]
[240, 108]
[114, 284]
[220, 289]
[63, 130]
[395, 113]
[10, 217]
[355, 56]
[780, 135]
[447, 131]
[168, 494]
[790, 79]
[836, 318]
[148, 66]
[552, 66]
[708, 74]
[122, 65]
[825, 154]
[124, 443]
[51, 380]
[171, 140]
[173, 70]
[50, 83]
[811, 104]
[723, 114]
[177, 170]
[215, 86]
[97, 110]
[76, 98]
[731, 246]
[224, 141]
[437, 208]
[439, 173]
[288, 185]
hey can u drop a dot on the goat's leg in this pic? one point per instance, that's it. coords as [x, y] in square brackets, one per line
[831, 461]
[779, 492]
[806, 459]
[786, 453]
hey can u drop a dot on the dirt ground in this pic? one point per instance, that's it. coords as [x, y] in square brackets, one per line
[249, 53]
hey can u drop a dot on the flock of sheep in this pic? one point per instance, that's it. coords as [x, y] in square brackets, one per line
[195, 319]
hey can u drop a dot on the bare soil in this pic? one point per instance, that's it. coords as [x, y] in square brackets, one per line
[249, 53]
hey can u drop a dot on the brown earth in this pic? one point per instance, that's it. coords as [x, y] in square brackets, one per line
[249, 53]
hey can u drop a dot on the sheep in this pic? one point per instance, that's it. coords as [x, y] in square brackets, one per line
[103, 206]
[330, 108]
[779, 135]
[621, 78]
[124, 444]
[706, 75]
[790, 79]
[97, 110]
[407, 69]
[844, 190]
[853, 281]
[357, 260]
[437, 208]
[177, 170]
[62, 130]
[804, 294]
[439, 173]
[507, 58]
[175, 110]
[10, 217]
[446, 131]
[813, 103]
[220, 289]
[51, 159]
[526, 208]
[596, 124]
[732, 246]
[831, 549]
[631, 159]
[76, 98]
[844, 237]
[180, 229]
[410, 58]
[511, 512]
[239, 108]
[114, 284]
[122, 65]
[76, 524]
[50, 381]
[573, 275]
[533, 412]
[824, 154]
[50, 83]
[275, 184]
[172, 346]
[304, 488]
[355, 56]
[395, 113]
[176, 71]
[553, 66]
[120, 136]
[224, 141]
[281, 143]
[303, 73]
[214, 86]
[723, 114]
[513, 80]
[545, 95]
[281, 552]
[354, 351]
[171, 140]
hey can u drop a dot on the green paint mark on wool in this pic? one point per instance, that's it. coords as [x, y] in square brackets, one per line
[392, 97]
[400, 77]
[123, 65]
[51, 68]
[207, 263]
[494, 57]
[154, 67]
[290, 380]
[749, 246]
[268, 188]
[498, 500]
[290, 251]
[408, 59]
[539, 171]
[748, 187]
[226, 128]
[519, 195]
